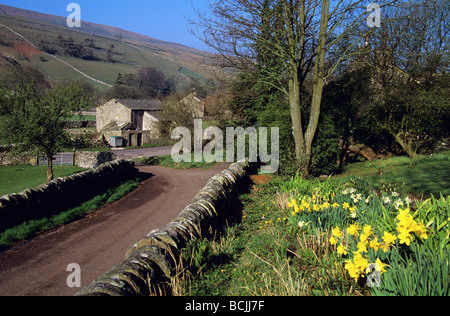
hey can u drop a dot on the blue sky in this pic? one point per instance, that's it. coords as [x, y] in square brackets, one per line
[161, 19]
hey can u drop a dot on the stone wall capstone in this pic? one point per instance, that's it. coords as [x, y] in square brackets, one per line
[152, 260]
[55, 196]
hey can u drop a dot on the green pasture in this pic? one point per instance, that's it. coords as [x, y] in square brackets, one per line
[14, 179]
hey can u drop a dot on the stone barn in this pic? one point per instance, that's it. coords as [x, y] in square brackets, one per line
[133, 120]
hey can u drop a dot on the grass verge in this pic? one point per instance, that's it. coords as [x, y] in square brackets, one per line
[30, 229]
[263, 256]
[423, 175]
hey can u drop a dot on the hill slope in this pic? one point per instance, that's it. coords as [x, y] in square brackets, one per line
[91, 52]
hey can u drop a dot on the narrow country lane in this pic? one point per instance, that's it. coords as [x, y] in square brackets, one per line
[101, 240]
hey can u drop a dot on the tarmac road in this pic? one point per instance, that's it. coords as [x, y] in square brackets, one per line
[145, 152]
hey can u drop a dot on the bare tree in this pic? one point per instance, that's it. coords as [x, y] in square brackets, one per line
[298, 33]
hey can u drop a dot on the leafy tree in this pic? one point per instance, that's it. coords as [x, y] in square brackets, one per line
[34, 121]
[14, 74]
[409, 91]
[110, 54]
[147, 83]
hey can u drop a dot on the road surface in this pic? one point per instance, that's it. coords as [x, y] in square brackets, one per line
[143, 152]
[101, 240]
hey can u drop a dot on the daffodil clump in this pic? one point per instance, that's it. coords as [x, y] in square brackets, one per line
[407, 225]
[366, 243]
[306, 206]
[372, 231]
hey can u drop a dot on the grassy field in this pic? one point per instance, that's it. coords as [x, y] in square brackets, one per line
[423, 175]
[14, 179]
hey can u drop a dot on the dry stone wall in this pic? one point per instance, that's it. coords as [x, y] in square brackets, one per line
[152, 260]
[7, 159]
[93, 159]
[57, 195]
[83, 159]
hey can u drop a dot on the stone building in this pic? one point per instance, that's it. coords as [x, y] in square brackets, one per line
[133, 120]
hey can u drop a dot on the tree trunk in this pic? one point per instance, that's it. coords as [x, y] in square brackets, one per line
[319, 77]
[49, 167]
[296, 116]
[407, 144]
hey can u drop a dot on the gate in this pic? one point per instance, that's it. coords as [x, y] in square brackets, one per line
[60, 159]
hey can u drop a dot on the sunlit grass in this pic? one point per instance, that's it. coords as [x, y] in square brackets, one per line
[423, 175]
[14, 179]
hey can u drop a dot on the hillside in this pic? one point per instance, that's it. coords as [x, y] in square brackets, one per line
[94, 53]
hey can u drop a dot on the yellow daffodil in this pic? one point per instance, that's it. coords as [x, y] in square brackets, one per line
[389, 238]
[362, 247]
[357, 267]
[421, 231]
[333, 241]
[384, 247]
[405, 238]
[408, 225]
[364, 238]
[353, 229]
[380, 266]
[367, 230]
[352, 270]
[337, 232]
[374, 244]
[342, 250]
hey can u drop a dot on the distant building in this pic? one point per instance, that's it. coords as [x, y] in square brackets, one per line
[133, 120]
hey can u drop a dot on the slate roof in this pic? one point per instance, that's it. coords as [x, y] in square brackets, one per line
[116, 126]
[146, 105]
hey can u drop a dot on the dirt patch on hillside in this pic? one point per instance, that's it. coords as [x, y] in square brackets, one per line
[26, 49]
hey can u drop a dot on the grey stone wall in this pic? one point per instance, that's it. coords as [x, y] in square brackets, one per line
[152, 260]
[93, 159]
[83, 159]
[62, 193]
[8, 159]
